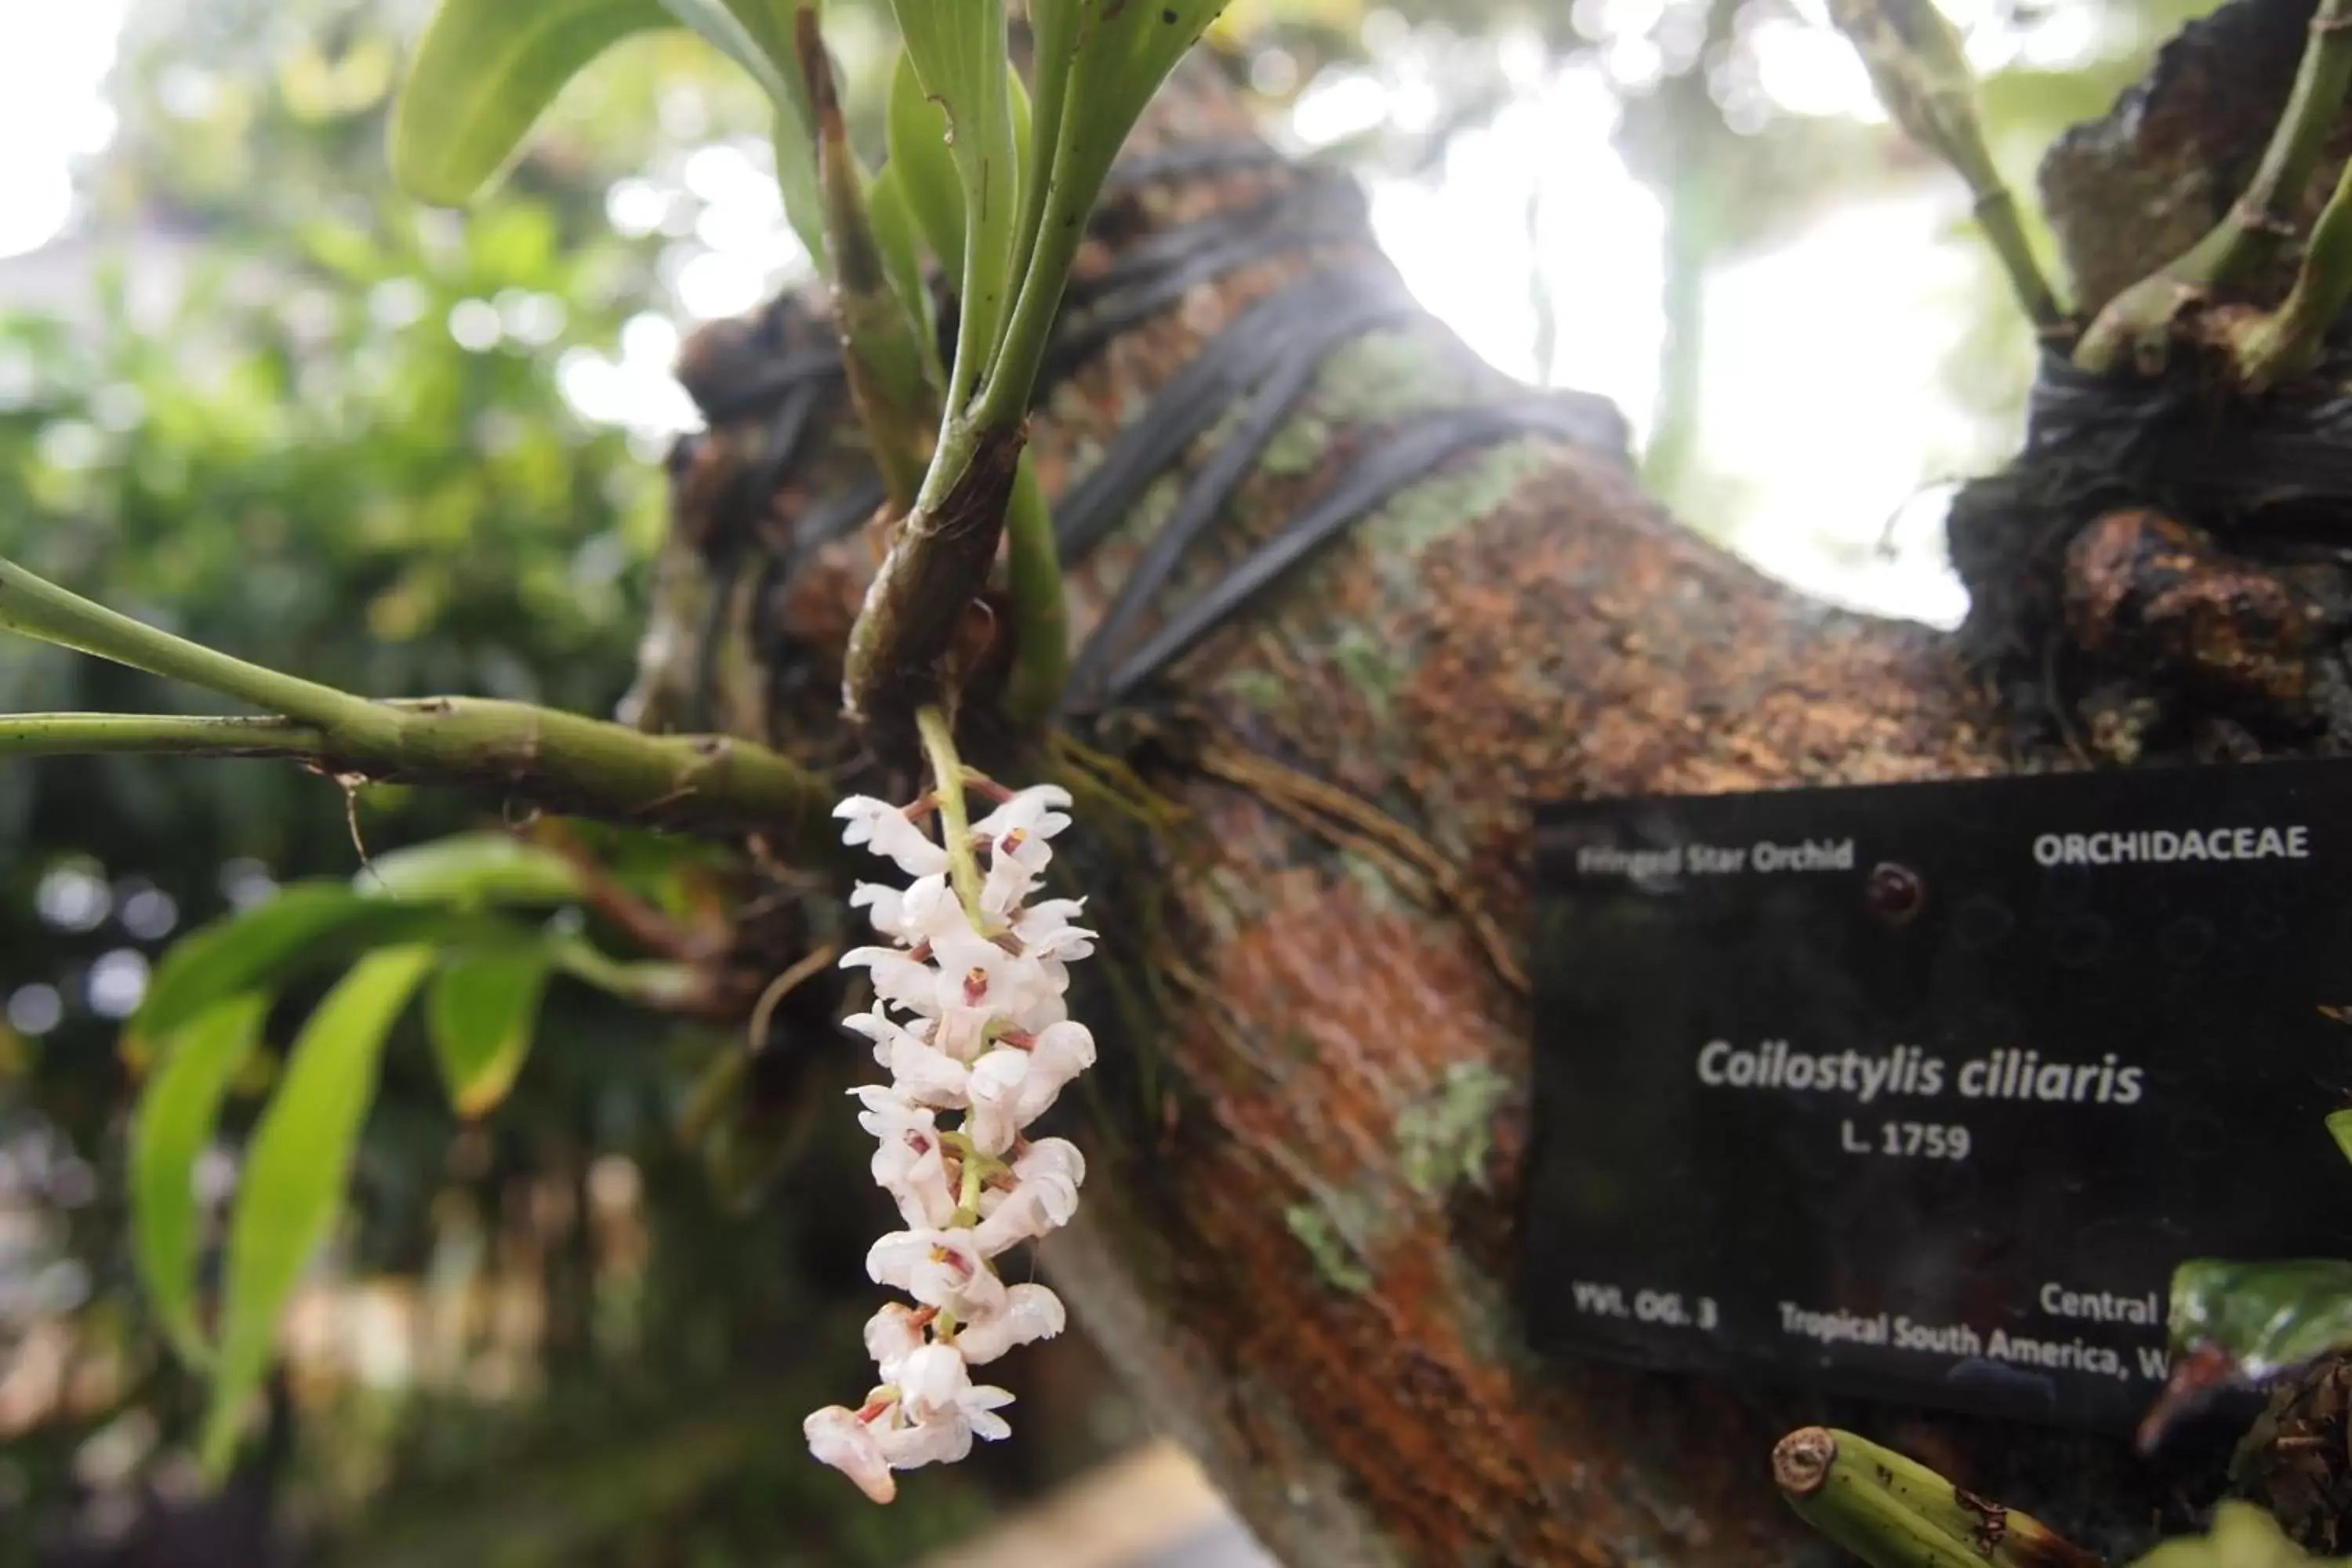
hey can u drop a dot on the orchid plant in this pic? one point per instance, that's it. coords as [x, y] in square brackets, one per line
[969, 1017]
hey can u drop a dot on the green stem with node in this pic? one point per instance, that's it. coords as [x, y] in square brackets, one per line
[968, 1197]
[955, 821]
[1997, 215]
[562, 761]
[1921, 73]
[2285, 342]
[1894, 1512]
[2138, 322]
[1041, 622]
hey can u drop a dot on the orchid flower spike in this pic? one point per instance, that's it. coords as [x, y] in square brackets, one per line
[969, 1021]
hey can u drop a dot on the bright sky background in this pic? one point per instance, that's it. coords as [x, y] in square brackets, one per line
[53, 59]
[1822, 415]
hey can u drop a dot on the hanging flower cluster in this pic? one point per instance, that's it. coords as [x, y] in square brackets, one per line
[967, 1017]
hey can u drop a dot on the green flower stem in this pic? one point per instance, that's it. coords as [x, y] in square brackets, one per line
[2258, 226]
[562, 761]
[968, 1197]
[1040, 621]
[955, 822]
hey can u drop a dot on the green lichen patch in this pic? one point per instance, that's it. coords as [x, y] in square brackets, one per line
[1470, 489]
[1337, 1229]
[1446, 1137]
[1383, 376]
[1298, 448]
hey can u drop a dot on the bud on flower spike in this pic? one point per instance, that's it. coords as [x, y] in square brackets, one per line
[968, 1018]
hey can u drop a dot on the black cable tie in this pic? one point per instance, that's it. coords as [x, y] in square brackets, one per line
[1206, 497]
[1192, 400]
[1400, 461]
[799, 368]
[1192, 158]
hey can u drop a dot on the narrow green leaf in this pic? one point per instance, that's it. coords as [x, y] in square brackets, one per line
[484, 73]
[902, 258]
[250, 948]
[487, 69]
[306, 926]
[2339, 1127]
[295, 1173]
[757, 34]
[1098, 66]
[177, 1113]
[471, 868]
[922, 166]
[959, 51]
[770, 23]
[480, 1010]
[1120, 55]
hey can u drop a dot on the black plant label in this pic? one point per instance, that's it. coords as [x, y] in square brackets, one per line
[1921, 1091]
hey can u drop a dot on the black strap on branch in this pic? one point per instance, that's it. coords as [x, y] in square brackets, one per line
[800, 368]
[1265, 361]
[2220, 455]
[835, 517]
[1302, 355]
[1410, 456]
[1234, 361]
[1164, 268]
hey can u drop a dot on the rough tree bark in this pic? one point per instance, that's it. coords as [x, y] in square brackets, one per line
[1298, 1245]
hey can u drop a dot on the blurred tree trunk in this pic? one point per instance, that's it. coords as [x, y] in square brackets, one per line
[1298, 1240]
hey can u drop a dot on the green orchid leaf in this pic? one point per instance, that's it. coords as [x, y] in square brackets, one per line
[306, 926]
[1099, 62]
[295, 1173]
[958, 49]
[257, 947]
[2339, 1127]
[1119, 54]
[480, 1011]
[472, 870]
[757, 34]
[178, 1112]
[902, 258]
[484, 73]
[920, 166]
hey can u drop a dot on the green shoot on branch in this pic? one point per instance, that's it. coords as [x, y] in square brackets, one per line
[1921, 73]
[2136, 324]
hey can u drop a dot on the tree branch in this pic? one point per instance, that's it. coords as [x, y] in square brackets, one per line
[563, 761]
